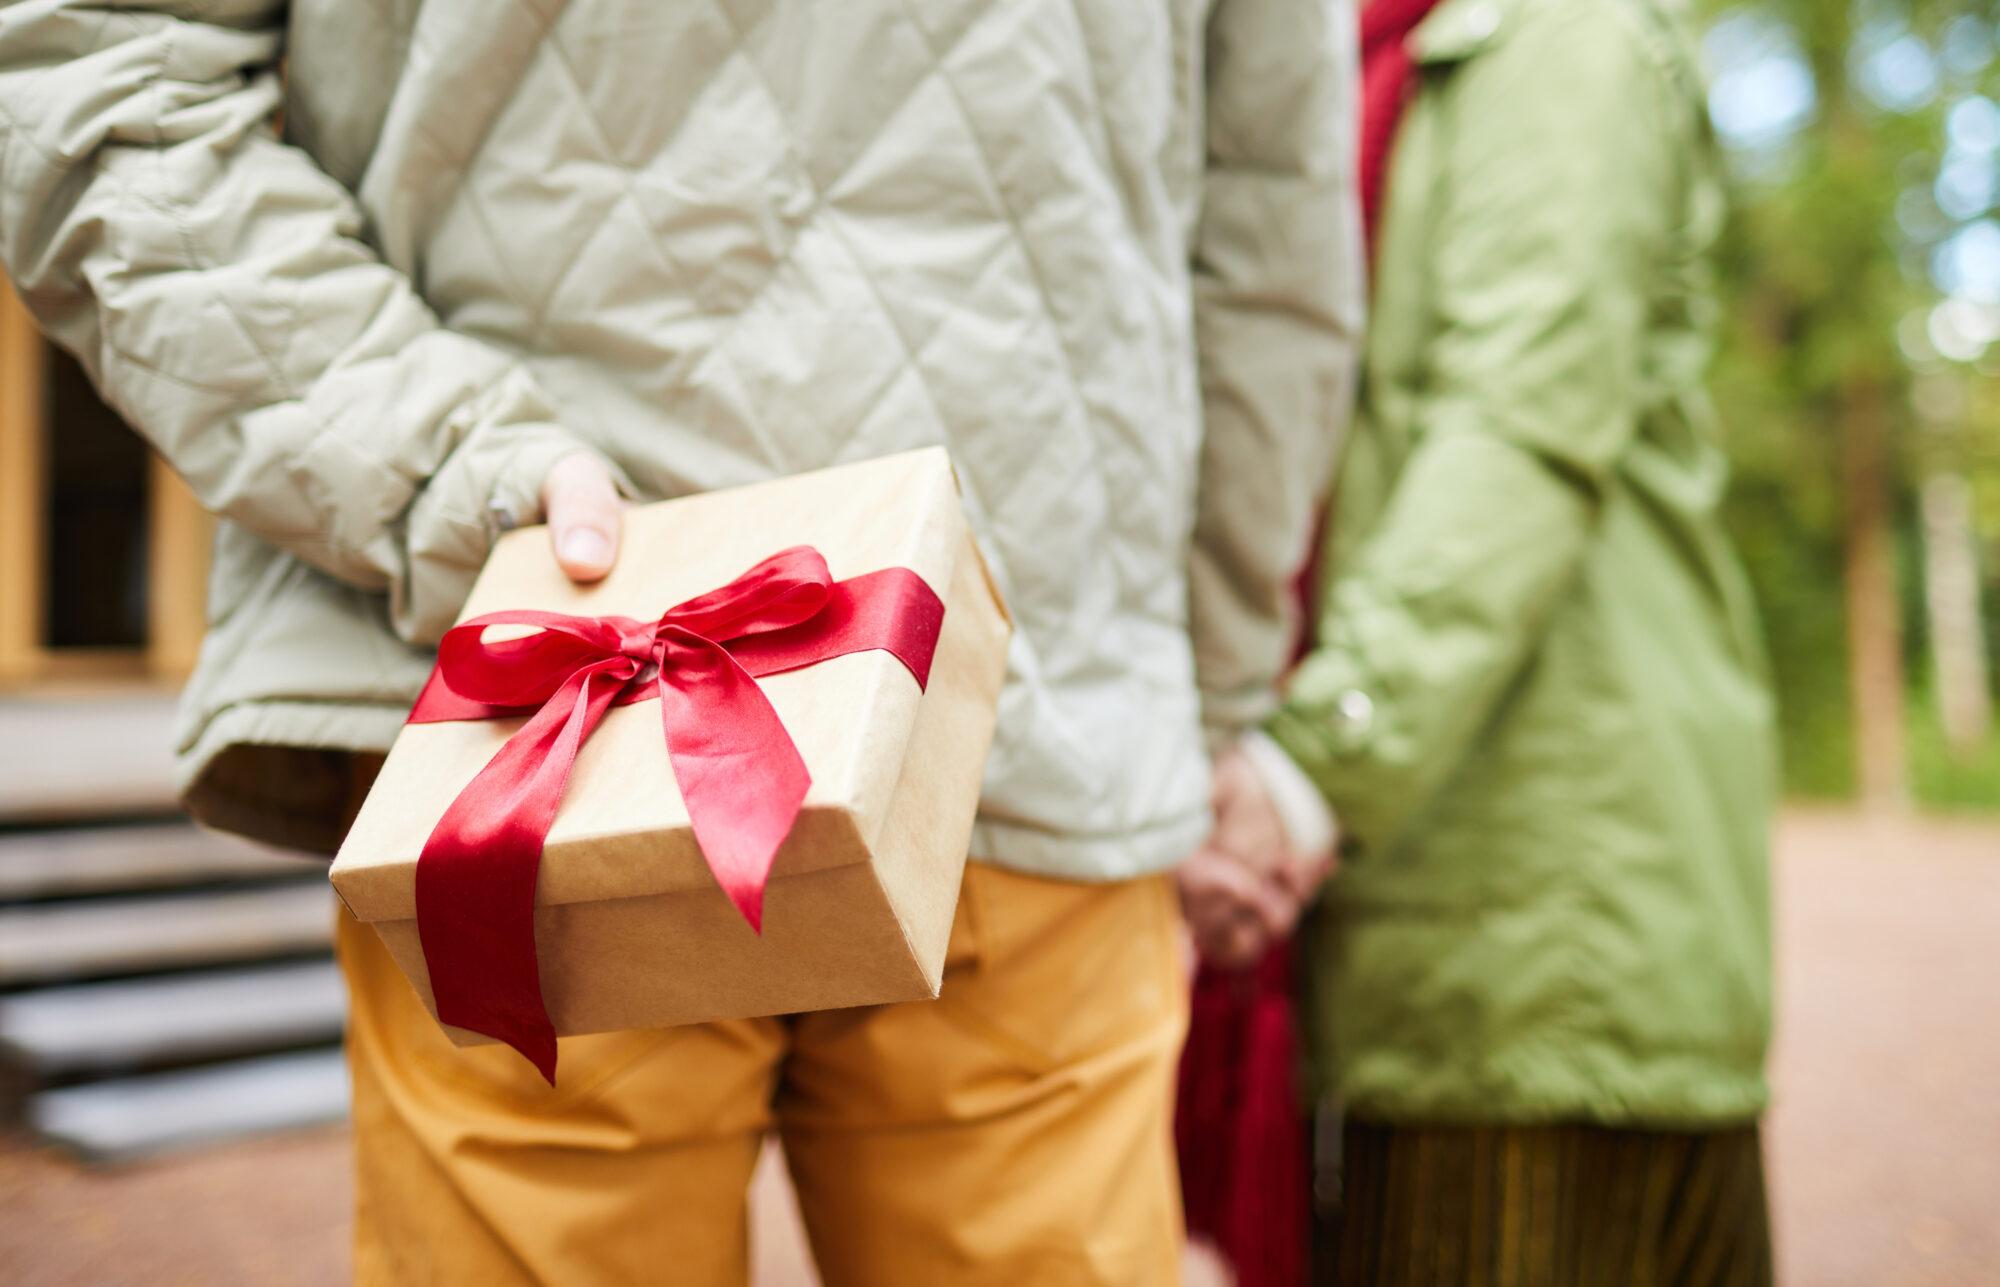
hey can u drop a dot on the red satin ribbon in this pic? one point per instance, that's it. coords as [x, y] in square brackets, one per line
[737, 768]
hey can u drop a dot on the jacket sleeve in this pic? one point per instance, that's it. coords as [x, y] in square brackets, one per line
[1556, 214]
[1278, 298]
[216, 285]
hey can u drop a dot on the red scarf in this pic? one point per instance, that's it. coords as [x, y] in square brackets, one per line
[1239, 1126]
[1388, 75]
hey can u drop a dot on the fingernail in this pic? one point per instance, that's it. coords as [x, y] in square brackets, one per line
[585, 547]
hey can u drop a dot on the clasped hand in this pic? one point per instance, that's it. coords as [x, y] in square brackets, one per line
[1243, 890]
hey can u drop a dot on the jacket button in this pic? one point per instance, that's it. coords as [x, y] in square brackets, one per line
[1480, 21]
[1353, 715]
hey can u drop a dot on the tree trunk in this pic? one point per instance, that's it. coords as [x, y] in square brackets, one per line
[1951, 599]
[1874, 624]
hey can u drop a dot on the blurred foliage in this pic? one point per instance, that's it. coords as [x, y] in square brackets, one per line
[1862, 262]
[1947, 781]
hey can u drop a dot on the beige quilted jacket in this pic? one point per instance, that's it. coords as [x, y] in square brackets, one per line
[1102, 250]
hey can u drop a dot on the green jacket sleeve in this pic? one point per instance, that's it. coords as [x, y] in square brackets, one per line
[217, 286]
[1559, 151]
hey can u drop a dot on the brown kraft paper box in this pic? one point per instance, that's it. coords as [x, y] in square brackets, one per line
[631, 928]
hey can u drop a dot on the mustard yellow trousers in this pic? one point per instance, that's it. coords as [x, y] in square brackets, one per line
[1015, 1132]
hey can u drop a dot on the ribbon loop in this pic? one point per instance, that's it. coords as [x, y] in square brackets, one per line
[785, 589]
[739, 772]
[525, 670]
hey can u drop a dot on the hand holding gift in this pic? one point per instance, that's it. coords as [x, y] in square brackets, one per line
[547, 851]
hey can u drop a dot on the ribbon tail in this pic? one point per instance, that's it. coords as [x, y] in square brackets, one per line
[738, 769]
[475, 881]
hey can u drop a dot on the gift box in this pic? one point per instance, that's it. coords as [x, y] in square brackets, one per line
[736, 777]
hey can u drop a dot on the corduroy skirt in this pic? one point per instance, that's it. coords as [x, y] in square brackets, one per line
[1544, 1206]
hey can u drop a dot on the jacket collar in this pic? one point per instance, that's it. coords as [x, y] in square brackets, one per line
[1460, 29]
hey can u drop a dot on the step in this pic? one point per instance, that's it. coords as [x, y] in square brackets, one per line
[94, 755]
[101, 936]
[134, 1116]
[132, 1023]
[98, 860]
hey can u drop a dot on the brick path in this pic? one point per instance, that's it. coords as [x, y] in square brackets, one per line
[1885, 1141]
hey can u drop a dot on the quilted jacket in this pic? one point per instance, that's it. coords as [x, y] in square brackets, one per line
[362, 271]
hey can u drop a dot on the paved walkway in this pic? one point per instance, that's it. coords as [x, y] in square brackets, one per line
[1885, 1141]
[1885, 1136]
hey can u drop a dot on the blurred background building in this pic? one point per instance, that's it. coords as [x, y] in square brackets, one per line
[157, 985]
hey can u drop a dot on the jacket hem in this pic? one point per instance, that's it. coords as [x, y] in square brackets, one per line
[302, 807]
[229, 780]
[1143, 851]
[1664, 1106]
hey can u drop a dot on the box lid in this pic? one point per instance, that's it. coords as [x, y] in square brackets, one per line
[623, 828]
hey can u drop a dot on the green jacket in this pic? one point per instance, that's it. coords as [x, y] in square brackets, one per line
[1538, 705]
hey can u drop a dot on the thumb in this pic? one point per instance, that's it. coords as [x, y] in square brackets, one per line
[584, 512]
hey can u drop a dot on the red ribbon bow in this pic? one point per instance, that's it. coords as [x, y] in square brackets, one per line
[737, 768]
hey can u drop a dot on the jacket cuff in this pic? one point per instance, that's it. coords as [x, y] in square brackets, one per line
[1333, 727]
[1307, 817]
[514, 498]
[1227, 715]
[493, 482]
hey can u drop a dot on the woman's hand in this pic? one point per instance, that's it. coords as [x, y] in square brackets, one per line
[1233, 913]
[1243, 890]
